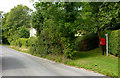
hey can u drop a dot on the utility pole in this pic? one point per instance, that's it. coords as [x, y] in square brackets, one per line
[106, 44]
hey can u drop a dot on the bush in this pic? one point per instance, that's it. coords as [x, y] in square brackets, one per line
[32, 44]
[87, 42]
[114, 42]
[31, 41]
[23, 41]
[119, 42]
[12, 43]
[20, 42]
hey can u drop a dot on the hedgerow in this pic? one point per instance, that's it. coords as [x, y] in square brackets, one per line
[114, 42]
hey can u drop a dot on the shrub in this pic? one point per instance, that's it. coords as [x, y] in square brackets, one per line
[32, 50]
[23, 41]
[32, 44]
[119, 43]
[12, 43]
[69, 51]
[87, 42]
[32, 41]
[114, 42]
[20, 42]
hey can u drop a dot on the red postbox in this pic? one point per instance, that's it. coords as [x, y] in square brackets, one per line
[102, 41]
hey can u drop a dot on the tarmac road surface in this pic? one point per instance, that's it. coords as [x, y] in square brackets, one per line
[15, 63]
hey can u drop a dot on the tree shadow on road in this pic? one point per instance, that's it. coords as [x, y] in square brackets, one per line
[9, 63]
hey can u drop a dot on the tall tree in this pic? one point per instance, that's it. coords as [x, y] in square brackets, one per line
[55, 21]
[97, 17]
[18, 16]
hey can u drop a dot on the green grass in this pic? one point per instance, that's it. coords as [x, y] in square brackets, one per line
[4, 44]
[22, 49]
[90, 60]
[94, 60]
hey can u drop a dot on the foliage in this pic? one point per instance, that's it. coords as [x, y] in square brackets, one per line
[32, 41]
[54, 28]
[24, 41]
[87, 42]
[107, 15]
[114, 42]
[119, 42]
[20, 42]
[22, 32]
[14, 21]
[57, 22]
[104, 16]
[32, 44]
[102, 34]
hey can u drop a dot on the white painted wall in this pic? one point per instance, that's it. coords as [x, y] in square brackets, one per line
[32, 32]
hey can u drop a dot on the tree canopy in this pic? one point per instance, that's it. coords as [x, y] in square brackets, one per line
[12, 21]
[57, 22]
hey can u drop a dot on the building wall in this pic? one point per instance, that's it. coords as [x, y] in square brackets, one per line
[32, 32]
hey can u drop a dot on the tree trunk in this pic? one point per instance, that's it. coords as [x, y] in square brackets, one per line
[99, 36]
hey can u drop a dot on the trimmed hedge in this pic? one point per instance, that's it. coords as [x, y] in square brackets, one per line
[114, 42]
[119, 43]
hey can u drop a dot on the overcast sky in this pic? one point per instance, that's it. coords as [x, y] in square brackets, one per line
[6, 5]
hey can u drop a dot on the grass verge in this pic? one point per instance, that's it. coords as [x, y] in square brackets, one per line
[90, 60]
[4, 44]
[22, 49]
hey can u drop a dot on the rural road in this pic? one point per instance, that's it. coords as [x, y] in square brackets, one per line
[15, 63]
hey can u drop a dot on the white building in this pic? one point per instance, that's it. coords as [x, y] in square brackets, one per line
[32, 32]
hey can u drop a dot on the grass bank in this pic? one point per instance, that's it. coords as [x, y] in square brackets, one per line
[22, 49]
[90, 60]
[4, 44]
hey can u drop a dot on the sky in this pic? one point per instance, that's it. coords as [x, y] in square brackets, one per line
[6, 5]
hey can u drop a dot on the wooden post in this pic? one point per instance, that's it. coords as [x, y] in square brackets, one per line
[106, 44]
